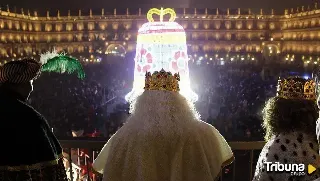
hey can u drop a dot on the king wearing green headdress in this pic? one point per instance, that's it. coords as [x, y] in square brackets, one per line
[31, 150]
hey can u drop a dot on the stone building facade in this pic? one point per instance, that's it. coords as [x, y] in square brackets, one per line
[231, 34]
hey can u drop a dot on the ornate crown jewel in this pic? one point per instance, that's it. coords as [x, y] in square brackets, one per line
[296, 88]
[162, 81]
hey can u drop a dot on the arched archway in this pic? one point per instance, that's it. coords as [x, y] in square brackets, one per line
[116, 50]
[270, 51]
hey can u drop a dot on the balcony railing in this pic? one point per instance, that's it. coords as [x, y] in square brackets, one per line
[242, 169]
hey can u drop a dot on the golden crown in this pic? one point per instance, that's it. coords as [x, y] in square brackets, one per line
[296, 88]
[162, 81]
[161, 12]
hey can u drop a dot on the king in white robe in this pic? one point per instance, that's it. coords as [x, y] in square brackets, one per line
[164, 140]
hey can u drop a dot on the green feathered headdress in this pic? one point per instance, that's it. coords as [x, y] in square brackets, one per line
[61, 63]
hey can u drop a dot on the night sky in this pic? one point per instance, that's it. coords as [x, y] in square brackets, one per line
[64, 5]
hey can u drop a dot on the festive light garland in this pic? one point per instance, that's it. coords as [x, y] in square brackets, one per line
[161, 45]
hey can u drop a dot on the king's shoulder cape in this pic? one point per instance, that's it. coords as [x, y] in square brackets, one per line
[189, 150]
[288, 148]
[26, 138]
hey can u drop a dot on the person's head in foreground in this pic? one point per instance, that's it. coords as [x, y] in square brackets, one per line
[289, 120]
[162, 98]
[17, 77]
[42, 152]
[163, 139]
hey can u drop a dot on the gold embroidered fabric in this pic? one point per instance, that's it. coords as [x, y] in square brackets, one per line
[36, 166]
[55, 172]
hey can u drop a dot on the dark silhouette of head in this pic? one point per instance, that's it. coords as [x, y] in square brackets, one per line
[17, 77]
[23, 90]
[286, 115]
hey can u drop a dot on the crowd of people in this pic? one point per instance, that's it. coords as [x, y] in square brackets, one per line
[230, 98]
[71, 104]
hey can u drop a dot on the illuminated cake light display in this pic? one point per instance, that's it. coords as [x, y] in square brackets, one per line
[161, 45]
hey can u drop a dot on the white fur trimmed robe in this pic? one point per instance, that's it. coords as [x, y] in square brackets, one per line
[162, 147]
[288, 148]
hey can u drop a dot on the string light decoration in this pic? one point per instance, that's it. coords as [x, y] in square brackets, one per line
[161, 45]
